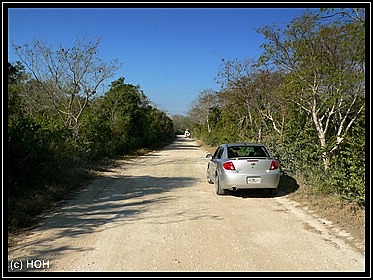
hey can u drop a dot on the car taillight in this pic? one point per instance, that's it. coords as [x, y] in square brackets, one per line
[274, 165]
[229, 165]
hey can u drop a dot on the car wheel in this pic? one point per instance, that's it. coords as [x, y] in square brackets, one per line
[218, 188]
[209, 179]
[208, 176]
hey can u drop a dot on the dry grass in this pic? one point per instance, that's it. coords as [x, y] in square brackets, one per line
[347, 216]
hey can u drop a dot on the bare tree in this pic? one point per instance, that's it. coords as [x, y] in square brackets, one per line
[69, 77]
[325, 74]
[201, 107]
[267, 99]
[256, 91]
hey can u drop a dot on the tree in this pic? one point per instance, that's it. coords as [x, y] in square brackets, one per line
[68, 77]
[254, 94]
[201, 107]
[180, 123]
[17, 78]
[122, 120]
[235, 79]
[325, 74]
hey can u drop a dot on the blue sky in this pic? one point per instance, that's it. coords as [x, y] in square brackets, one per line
[172, 53]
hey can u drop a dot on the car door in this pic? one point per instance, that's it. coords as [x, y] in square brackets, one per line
[215, 160]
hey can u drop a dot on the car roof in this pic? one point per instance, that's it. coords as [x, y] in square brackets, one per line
[242, 144]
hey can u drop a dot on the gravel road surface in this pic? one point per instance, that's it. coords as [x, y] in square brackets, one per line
[158, 213]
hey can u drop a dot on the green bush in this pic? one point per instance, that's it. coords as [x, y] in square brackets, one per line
[28, 152]
[42, 166]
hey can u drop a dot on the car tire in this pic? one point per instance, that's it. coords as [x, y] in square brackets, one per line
[208, 176]
[209, 179]
[218, 188]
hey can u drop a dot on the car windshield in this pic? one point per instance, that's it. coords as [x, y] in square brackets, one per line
[247, 151]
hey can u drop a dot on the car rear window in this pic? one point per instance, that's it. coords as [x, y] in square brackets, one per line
[247, 151]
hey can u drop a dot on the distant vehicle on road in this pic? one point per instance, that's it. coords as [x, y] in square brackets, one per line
[236, 166]
[187, 133]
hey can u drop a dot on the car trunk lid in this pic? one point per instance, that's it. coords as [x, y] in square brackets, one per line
[252, 164]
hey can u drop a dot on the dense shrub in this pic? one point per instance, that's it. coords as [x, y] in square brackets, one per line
[47, 160]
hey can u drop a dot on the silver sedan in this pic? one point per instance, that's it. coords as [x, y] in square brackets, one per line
[242, 166]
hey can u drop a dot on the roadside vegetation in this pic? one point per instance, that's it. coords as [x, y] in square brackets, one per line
[304, 98]
[60, 130]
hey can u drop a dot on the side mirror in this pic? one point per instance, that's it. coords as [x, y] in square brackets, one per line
[209, 156]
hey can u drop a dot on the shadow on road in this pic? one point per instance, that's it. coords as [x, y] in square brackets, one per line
[286, 186]
[182, 143]
[108, 202]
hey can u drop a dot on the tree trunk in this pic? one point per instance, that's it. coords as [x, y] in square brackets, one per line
[260, 135]
[326, 160]
[208, 125]
[321, 133]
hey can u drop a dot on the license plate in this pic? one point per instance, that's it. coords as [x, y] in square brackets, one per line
[253, 180]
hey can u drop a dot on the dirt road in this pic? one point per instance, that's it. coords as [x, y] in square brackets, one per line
[158, 213]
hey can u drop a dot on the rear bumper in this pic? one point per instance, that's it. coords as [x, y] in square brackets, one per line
[233, 180]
